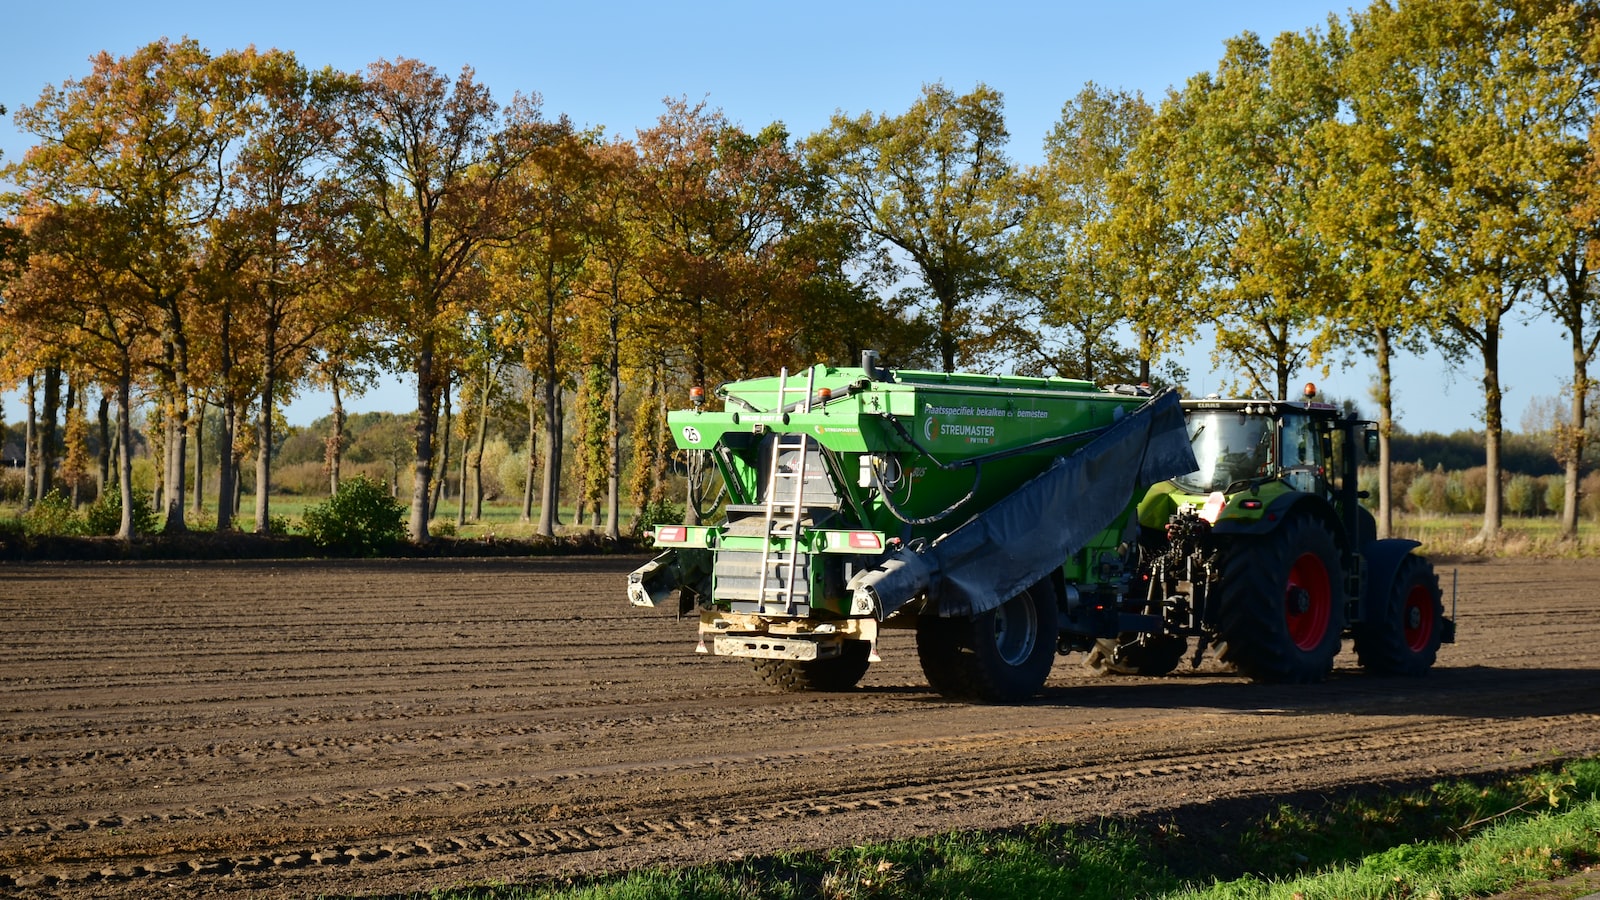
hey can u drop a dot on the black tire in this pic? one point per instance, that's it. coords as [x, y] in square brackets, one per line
[1001, 656]
[1281, 603]
[1158, 655]
[840, 673]
[1404, 638]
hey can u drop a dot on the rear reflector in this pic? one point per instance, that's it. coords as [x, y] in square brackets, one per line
[671, 534]
[865, 540]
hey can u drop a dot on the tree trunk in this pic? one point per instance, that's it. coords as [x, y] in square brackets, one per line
[1492, 400]
[466, 445]
[614, 441]
[227, 463]
[427, 419]
[1572, 444]
[264, 449]
[125, 448]
[550, 488]
[48, 431]
[177, 458]
[104, 456]
[947, 338]
[30, 450]
[483, 434]
[334, 452]
[199, 457]
[533, 446]
[441, 484]
[1385, 398]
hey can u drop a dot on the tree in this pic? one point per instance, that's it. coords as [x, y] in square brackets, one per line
[715, 207]
[935, 184]
[1247, 166]
[1150, 228]
[1569, 292]
[609, 300]
[281, 243]
[431, 164]
[77, 292]
[144, 135]
[533, 279]
[1068, 262]
[1358, 208]
[1476, 114]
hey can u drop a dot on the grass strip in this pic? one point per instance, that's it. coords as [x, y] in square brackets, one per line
[1455, 839]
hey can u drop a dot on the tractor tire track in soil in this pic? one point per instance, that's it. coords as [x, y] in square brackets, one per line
[311, 727]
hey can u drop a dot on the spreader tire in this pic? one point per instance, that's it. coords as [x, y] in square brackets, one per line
[1404, 635]
[999, 656]
[1281, 605]
[1158, 655]
[841, 673]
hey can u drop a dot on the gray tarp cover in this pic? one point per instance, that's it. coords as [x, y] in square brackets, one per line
[1010, 546]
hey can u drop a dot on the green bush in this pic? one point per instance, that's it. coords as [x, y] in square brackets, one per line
[1524, 495]
[361, 518]
[52, 515]
[104, 516]
[661, 512]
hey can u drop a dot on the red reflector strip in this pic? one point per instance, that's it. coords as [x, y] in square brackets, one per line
[671, 534]
[1251, 504]
[865, 540]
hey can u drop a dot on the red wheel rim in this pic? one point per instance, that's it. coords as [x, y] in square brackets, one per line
[1308, 602]
[1418, 619]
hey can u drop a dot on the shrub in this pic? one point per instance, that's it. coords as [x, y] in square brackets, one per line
[1429, 493]
[495, 453]
[361, 518]
[52, 515]
[1467, 489]
[1523, 495]
[1555, 493]
[1589, 496]
[301, 479]
[513, 474]
[661, 512]
[104, 516]
[1401, 475]
[11, 485]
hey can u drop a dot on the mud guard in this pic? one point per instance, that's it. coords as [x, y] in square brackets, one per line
[651, 583]
[1383, 559]
[998, 553]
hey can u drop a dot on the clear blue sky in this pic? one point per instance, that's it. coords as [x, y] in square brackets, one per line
[611, 64]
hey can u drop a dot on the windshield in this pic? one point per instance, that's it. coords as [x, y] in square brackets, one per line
[1229, 446]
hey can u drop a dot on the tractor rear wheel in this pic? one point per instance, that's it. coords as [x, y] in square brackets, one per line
[999, 656]
[1158, 655]
[840, 673]
[1281, 606]
[1404, 637]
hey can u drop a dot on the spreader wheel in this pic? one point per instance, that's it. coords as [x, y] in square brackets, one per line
[1404, 634]
[841, 673]
[1000, 656]
[1282, 612]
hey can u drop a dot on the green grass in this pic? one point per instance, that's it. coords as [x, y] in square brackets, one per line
[1539, 537]
[1455, 839]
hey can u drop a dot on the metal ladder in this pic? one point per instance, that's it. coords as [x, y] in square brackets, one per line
[777, 479]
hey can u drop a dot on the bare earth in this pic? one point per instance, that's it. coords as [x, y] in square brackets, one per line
[302, 728]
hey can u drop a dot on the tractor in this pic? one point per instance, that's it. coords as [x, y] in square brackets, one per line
[1266, 554]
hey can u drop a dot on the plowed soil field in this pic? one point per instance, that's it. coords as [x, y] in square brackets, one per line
[302, 728]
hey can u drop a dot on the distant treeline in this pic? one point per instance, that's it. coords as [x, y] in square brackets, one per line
[1525, 454]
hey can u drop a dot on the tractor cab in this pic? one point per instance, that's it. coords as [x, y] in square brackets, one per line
[1241, 444]
[1256, 456]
